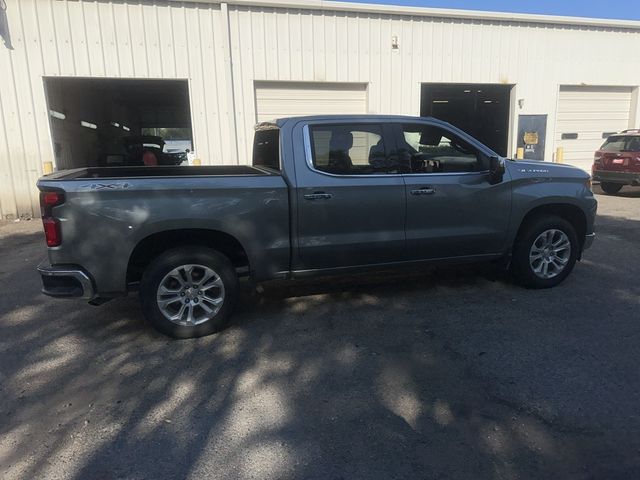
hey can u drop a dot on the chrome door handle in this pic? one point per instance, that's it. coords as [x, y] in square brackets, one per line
[423, 191]
[318, 196]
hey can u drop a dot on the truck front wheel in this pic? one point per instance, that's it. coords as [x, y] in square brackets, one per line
[189, 292]
[545, 252]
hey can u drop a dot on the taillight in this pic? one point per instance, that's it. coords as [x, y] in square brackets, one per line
[52, 231]
[597, 162]
[51, 199]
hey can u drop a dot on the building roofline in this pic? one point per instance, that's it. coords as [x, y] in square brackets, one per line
[400, 10]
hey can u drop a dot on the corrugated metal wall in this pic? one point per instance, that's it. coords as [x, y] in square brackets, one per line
[106, 39]
[197, 41]
[290, 44]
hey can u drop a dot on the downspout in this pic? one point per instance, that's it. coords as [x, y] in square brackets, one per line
[4, 25]
[228, 61]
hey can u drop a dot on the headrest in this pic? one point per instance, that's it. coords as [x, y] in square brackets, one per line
[430, 136]
[341, 140]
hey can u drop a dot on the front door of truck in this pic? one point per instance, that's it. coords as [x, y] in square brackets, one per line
[452, 208]
[350, 197]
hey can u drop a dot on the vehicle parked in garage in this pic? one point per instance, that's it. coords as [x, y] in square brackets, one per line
[325, 194]
[144, 150]
[617, 163]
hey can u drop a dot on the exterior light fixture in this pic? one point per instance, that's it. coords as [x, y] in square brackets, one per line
[58, 115]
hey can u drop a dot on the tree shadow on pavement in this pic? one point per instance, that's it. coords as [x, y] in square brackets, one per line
[370, 376]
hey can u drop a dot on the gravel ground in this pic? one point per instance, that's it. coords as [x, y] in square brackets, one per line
[447, 373]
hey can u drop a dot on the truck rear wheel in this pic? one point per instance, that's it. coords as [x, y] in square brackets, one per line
[189, 292]
[610, 188]
[545, 252]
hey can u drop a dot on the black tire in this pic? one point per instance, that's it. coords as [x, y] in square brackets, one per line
[521, 266]
[172, 259]
[610, 188]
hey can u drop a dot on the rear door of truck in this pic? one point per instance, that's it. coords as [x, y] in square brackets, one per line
[350, 196]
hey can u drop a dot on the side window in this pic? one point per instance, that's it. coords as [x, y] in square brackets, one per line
[266, 148]
[431, 149]
[352, 150]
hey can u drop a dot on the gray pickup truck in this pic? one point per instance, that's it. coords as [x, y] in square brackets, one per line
[325, 194]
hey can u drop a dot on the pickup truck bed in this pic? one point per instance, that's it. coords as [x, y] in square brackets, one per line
[127, 213]
[155, 172]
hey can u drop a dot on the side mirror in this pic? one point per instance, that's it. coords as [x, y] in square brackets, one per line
[496, 170]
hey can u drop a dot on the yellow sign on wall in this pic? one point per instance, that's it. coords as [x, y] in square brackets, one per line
[531, 138]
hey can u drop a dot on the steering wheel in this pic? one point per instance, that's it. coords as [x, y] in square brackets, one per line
[455, 145]
[425, 162]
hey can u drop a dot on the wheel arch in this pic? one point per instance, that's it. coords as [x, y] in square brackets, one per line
[571, 213]
[153, 245]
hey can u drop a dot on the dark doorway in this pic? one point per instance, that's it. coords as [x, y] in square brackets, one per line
[482, 110]
[112, 122]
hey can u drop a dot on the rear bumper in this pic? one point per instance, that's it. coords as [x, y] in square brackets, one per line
[625, 178]
[66, 281]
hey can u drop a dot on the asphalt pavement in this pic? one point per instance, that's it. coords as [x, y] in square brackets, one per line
[437, 373]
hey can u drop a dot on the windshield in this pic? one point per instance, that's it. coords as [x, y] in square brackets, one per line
[622, 143]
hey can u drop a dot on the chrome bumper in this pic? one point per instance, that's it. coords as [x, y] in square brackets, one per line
[66, 281]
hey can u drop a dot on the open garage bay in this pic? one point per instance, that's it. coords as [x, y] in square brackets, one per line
[113, 122]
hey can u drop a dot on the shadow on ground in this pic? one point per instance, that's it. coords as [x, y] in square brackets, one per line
[443, 373]
[626, 192]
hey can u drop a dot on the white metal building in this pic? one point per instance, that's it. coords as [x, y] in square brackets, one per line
[214, 68]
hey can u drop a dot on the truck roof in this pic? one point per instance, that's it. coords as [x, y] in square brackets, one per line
[279, 122]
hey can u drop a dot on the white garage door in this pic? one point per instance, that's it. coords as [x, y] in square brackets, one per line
[289, 99]
[586, 116]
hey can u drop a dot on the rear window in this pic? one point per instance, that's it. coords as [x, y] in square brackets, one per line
[266, 149]
[622, 143]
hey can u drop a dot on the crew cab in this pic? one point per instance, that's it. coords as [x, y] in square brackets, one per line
[617, 162]
[324, 195]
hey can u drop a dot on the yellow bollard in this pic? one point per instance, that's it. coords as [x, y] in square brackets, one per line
[196, 161]
[47, 168]
[520, 153]
[560, 155]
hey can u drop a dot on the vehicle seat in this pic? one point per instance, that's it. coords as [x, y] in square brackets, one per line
[341, 143]
[149, 159]
[377, 156]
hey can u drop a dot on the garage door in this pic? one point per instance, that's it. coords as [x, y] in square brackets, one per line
[288, 99]
[586, 116]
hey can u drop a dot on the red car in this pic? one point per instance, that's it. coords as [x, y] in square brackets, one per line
[617, 163]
